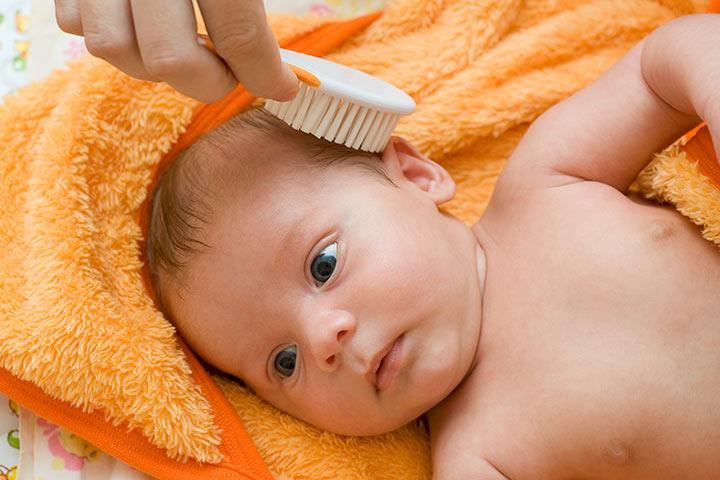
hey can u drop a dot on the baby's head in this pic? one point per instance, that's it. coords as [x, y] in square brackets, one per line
[295, 264]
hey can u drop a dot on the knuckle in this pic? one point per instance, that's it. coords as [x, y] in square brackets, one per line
[107, 45]
[238, 39]
[166, 63]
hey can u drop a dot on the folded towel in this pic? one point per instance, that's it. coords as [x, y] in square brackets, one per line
[82, 345]
[76, 322]
[687, 175]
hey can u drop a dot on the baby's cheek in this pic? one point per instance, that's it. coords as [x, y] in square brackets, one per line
[326, 408]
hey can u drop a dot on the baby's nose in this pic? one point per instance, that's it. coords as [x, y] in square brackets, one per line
[328, 337]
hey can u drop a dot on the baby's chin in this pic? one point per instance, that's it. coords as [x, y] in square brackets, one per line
[381, 426]
[434, 379]
[381, 420]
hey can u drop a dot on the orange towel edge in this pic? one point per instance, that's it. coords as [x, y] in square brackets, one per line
[129, 446]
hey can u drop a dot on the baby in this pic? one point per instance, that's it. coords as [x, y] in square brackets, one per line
[572, 332]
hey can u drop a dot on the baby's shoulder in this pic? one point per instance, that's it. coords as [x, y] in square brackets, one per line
[490, 428]
[471, 436]
[459, 468]
[459, 451]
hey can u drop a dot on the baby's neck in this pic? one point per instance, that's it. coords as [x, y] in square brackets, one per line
[438, 416]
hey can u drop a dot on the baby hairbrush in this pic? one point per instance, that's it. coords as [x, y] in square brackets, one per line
[338, 103]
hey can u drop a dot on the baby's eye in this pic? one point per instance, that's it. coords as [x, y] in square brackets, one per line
[323, 265]
[285, 361]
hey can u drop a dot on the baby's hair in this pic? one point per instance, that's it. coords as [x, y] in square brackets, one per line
[185, 195]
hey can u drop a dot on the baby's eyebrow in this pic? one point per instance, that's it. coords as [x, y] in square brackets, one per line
[292, 235]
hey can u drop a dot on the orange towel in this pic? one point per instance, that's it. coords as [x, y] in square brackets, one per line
[687, 175]
[187, 416]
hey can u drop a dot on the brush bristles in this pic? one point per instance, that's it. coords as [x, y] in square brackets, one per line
[335, 119]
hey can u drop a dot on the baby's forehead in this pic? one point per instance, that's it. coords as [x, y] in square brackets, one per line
[254, 145]
[248, 180]
[237, 160]
[249, 158]
[244, 164]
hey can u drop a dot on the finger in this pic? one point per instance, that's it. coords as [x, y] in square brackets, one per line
[67, 16]
[110, 34]
[165, 31]
[243, 38]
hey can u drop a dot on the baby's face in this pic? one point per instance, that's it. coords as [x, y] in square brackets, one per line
[318, 274]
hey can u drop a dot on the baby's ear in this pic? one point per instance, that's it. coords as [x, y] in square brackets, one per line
[403, 161]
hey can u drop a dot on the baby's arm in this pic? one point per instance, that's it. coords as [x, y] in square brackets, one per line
[608, 131]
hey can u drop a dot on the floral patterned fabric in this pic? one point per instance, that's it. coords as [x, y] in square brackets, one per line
[51, 453]
[9, 439]
[14, 41]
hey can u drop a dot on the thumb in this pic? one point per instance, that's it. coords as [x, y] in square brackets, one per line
[245, 41]
[288, 87]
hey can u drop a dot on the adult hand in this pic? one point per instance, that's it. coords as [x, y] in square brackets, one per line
[156, 40]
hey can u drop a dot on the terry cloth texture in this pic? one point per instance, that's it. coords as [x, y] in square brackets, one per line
[75, 320]
[687, 175]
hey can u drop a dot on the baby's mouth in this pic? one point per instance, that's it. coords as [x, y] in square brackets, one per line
[385, 365]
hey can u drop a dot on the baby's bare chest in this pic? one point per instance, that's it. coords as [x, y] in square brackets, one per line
[603, 351]
[609, 266]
